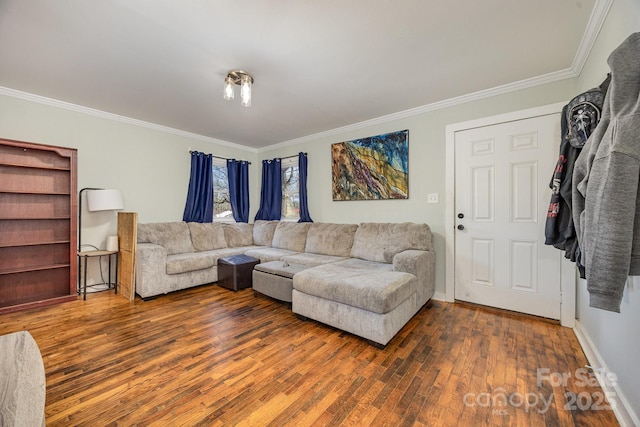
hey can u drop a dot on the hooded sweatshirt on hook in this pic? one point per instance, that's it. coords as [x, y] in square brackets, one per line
[606, 192]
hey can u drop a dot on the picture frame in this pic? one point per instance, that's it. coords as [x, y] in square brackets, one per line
[371, 168]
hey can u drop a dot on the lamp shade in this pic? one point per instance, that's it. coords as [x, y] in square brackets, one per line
[104, 200]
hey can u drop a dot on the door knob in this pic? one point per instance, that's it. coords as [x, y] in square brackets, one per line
[460, 227]
[460, 215]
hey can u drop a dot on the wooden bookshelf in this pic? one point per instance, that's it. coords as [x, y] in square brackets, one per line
[38, 225]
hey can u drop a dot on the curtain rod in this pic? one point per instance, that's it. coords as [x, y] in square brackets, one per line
[290, 157]
[224, 158]
[214, 156]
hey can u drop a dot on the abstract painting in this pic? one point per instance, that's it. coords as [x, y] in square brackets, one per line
[372, 168]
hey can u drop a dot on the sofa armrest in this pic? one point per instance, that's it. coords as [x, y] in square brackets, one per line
[150, 252]
[422, 265]
[22, 381]
[151, 267]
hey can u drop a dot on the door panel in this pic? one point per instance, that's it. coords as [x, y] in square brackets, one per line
[502, 175]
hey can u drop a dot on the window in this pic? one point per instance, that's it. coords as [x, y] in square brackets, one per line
[221, 200]
[290, 189]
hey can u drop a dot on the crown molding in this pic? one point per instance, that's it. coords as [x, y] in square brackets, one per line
[596, 21]
[474, 96]
[115, 117]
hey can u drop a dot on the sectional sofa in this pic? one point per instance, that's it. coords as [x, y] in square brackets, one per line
[367, 279]
[22, 381]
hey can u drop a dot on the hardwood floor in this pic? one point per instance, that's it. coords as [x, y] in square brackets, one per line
[209, 356]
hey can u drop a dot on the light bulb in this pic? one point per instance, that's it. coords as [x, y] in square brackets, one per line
[228, 88]
[245, 91]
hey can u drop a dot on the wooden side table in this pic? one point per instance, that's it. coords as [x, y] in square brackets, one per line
[85, 255]
[234, 272]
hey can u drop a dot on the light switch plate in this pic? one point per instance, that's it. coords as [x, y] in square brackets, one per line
[432, 198]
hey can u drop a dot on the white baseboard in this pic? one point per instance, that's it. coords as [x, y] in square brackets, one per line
[439, 296]
[623, 410]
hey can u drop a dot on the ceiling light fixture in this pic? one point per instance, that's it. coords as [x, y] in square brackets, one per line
[244, 80]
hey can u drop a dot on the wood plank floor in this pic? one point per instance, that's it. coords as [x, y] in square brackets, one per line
[209, 356]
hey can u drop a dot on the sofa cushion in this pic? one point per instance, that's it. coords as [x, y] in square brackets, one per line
[380, 242]
[310, 259]
[182, 263]
[376, 291]
[207, 236]
[173, 236]
[227, 252]
[280, 268]
[291, 236]
[238, 234]
[269, 254]
[364, 265]
[330, 239]
[263, 232]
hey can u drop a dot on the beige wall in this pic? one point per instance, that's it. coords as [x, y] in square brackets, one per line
[426, 164]
[150, 167]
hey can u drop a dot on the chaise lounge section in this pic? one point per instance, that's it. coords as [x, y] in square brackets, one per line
[388, 279]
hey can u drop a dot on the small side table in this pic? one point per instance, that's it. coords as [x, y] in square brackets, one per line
[93, 254]
[235, 272]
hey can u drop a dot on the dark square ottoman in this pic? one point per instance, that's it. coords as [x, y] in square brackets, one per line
[234, 272]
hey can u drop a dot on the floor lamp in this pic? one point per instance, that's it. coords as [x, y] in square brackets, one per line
[98, 199]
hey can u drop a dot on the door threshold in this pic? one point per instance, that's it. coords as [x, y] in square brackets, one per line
[505, 311]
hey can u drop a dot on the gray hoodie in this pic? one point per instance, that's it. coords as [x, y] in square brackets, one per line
[606, 192]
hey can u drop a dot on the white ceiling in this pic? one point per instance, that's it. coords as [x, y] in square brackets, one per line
[318, 64]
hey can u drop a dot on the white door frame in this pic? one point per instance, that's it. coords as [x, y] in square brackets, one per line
[568, 276]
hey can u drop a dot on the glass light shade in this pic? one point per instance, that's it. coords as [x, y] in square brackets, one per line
[104, 200]
[228, 88]
[245, 91]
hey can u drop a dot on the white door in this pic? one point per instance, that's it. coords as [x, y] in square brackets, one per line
[502, 175]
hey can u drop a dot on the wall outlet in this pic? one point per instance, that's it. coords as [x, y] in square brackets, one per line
[432, 198]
